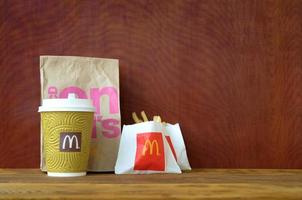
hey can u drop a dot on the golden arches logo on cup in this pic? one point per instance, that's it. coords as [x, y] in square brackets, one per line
[70, 141]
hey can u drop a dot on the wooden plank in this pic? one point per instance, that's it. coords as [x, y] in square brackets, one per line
[198, 184]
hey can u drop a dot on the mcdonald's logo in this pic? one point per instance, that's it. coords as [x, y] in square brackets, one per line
[70, 142]
[149, 152]
[150, 146]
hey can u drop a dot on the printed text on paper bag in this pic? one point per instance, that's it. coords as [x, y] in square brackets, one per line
[111, 126]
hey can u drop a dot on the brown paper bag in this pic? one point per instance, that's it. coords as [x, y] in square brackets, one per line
[94, 78]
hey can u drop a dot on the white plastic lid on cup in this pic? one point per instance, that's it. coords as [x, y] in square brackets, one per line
[69, 104]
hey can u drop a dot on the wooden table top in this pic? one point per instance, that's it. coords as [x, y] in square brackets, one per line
[197, 184]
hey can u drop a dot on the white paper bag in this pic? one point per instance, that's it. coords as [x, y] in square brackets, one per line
[176, 141]
[144, 150]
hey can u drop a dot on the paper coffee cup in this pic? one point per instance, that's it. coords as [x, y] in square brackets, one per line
[67, 126]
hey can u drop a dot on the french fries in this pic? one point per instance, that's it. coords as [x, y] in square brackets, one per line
[136, 119]
[144, 116]
[157, 119]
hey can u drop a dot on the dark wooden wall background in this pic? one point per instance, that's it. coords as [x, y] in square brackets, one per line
[228, 70]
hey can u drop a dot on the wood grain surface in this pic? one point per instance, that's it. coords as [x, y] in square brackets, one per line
[229, 71]
[198, 184]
